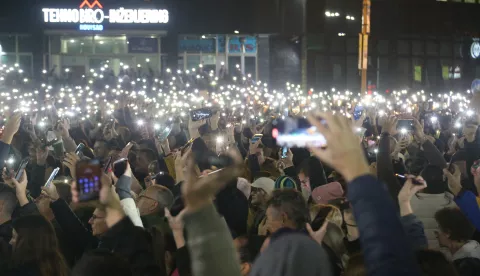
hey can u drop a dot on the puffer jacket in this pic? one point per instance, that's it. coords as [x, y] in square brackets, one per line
[425, 206]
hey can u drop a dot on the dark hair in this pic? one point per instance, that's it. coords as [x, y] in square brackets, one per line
[37, 243]
[434, 263]
[64, 191]
[434, 176]
[356, 266]
[292, 203]
[150, 154]
[455, 223]
[313, 169]
[165, 180]
[9, 199]
[101, 262]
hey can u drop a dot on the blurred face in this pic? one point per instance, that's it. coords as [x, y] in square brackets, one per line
[258, 196]
[141, 163]
[99, 149]
[469, 130]
[146, 202]
[13, 241]
[97, 221]
[304, 180]
[443, 238]
[274, 220]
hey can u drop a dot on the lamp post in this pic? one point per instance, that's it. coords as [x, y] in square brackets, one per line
[363, 45]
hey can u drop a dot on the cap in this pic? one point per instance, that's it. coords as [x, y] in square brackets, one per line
[285, 182]
[326, 193]
[264, 183]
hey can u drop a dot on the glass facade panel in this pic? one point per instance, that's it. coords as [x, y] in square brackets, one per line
[8, 59]
[417, 48]
[382, 47]
[193, 61]
[110, 45]
[432, 48]
[250, 66]
[402, 47]
[25, 62]
[76, 45]
[25, 43]
[446, 48]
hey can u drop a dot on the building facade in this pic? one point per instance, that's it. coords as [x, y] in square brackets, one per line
[421, 44]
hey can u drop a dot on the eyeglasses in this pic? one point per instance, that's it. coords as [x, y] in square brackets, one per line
[257, 190]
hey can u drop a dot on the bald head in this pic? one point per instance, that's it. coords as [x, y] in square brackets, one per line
[154, 199]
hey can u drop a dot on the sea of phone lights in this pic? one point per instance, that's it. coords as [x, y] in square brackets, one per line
[157, 101]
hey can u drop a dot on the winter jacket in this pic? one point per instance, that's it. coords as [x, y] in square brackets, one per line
[467, 202]
[210, 244]
[291, 255]
[467, 259]
[415, 232]
[385, 245]
[425, 206]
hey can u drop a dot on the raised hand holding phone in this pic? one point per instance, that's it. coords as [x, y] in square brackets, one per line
[21, 189]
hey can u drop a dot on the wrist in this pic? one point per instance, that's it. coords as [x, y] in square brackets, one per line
[356, 171]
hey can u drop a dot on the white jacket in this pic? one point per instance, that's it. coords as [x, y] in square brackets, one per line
[425, 206]
[131, 210]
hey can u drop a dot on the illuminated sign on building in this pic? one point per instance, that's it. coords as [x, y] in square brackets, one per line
[90, 16]
[475, 49]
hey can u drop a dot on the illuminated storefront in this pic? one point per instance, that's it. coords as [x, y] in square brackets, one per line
[91, 33]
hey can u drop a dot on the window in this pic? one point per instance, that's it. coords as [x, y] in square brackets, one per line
[471, 1]
[193, 61]
[402, 47]
[383, 47]
[8, 59]
[110, 45]
[250, 67]
[432, 48]
[75, 45]
[417, 47]
[25, 62]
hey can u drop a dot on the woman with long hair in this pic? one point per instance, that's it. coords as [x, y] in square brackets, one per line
[35, 249]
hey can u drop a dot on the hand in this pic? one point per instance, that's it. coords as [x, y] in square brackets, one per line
[107, 195]
[254, 146]
[461, 142]
[70, 161]
[21, 188]
[63, 128]
[409, 189]
[195, 125]
[7, 176]
[343, 152]
[263, 227]
[12, 126]
[319, 234]
[390, 125]
[162, 146]
[454, 180]
[126, 150]
[42, 155]
[199, 192]
[176, 223]
[419, 135]
[51, 192]
[214, 120]
[288, 161]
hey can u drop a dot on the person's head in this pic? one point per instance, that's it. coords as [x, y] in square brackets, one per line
[102, 262]
[260, 153]
[165, 180]
[433, 175]
[8, 201]
[470, 129]
[324, 194]
[143, 160]
[311, 174]
[244, 186]
[434, 263]
[286, 208]
[98, 223]
[454, 228]
[154, 199]
[100, 149]
[262, 188]
[356, 266]
[285, 182]
[34, 240]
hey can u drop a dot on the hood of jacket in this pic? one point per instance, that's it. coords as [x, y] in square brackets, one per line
[469, 250]
[292, 255]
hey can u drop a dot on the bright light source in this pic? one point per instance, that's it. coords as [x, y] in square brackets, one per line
[11, 160]
[156, 126]
[403, 131]
[434, 119]
[341, 34]
[236, 31]
[220, 140]
[470, 112]
[203, 36]
[458, 125]
[140, 122]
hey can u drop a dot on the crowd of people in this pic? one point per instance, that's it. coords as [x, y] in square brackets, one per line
[218, 196]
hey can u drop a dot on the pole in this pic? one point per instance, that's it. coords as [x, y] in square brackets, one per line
[363, 45]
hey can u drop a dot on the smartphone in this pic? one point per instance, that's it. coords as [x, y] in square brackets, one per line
[405, 125]
[297, 132]
[51, 143]
[414, 181]
[119, 167]
[79, 148]
[284, 152]
[201, 114]
[256, 137]
[358, 112]
[21, 167]
[162, 134]
[88, 174]
[108, 164]
[52, 176]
